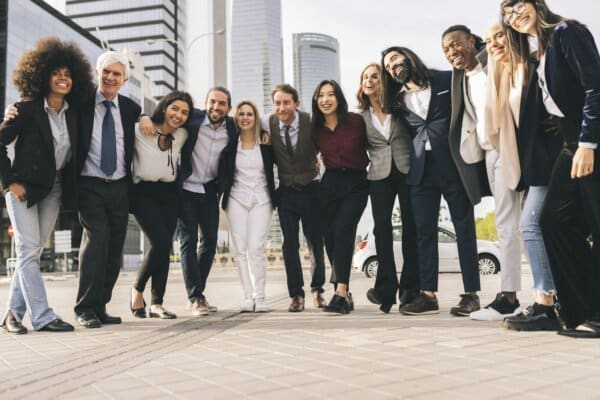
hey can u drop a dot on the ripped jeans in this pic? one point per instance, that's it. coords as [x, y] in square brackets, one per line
[529, 225]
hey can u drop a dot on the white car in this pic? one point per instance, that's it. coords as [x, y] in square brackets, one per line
[365, 256]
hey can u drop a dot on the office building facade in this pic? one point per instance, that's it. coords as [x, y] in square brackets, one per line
[156, 29]
[316, 57]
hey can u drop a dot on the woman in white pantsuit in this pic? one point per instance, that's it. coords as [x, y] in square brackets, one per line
[249, 200]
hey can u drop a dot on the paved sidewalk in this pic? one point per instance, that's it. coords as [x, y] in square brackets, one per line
[229, 355]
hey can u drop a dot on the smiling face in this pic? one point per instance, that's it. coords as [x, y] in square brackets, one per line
[285, 107]
[459, 49]
[326, 100]
[217, 106]
[522, 17]
[60, 82]
[245, 118]
[496, 44]
[370, 83]
[394, 63]
[110, 79]
[176, 114]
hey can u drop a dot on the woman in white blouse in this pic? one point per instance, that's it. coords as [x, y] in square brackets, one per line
[155, 200]
[249, 200]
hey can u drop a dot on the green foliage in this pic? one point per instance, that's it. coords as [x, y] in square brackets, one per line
[485, 228]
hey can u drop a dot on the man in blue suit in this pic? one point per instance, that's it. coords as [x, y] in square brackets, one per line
[422, 98]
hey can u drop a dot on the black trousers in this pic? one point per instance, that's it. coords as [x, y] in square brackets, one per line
[383, 195]
[570, 215]
[103, 213]
[297, 206]
[426, 199]
[343, 195]
[198, 210]
[156, 210]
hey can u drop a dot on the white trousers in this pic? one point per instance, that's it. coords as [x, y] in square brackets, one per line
[249, 228]
[508, 212]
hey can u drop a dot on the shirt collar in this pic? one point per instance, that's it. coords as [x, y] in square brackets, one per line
[100, 98]
[64, 108]
[206, 121]
[295, 123]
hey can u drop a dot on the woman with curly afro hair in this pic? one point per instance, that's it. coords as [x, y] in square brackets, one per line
[51, 77]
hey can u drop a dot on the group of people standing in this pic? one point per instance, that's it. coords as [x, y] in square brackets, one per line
[517, 118]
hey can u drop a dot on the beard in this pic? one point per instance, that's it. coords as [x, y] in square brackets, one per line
[216, 118]
[405, 74]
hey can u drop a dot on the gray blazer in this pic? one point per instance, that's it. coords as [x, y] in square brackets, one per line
[382, 151]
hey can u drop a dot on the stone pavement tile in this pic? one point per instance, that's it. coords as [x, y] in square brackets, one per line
[136, 393]
[118, 383]
[256, 386]
[86, 393]
[569, 390]
[298, 379]
[212, 392]
[325, 388]
[287, 394]
[415, 387]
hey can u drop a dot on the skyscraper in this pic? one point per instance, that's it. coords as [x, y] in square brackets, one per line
[154, 28]
[316, 57]
[256, 51]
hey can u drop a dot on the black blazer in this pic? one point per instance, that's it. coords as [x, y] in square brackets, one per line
[192, 127]
[268, 158]
[537, 149]
[34, 165]
[573, 76]
[130, 113]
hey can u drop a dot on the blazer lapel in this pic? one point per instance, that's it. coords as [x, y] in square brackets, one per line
[42, 120]
[525, 89]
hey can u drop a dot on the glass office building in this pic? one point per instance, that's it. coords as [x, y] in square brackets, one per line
[154, 28]
[316, 57]
[256, 59]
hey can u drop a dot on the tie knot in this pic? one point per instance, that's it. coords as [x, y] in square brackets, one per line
[286, 127]
[108, 104]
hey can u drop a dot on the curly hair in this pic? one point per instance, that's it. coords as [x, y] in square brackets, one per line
[32, 74]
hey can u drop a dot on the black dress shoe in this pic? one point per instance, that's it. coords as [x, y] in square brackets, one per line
[592, 332]
[350, 301]
[12, 326]
[88, 321]
[373, 298]
[338, 304]
[137, 312]
[407, 296]
[58, 325]
[105, 318]
[162, 315]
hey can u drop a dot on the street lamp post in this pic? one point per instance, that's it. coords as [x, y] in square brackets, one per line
[186, 50]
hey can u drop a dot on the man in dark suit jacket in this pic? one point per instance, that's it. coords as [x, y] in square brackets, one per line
[202, 171]
[422, 98]
[104, 158]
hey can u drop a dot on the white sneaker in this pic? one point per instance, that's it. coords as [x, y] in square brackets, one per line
[198, 308]
[497, 310]
[261, 305]
[247, 305]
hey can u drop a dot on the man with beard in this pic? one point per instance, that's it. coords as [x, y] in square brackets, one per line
[210, 132]
[422, 98]
[469, 143]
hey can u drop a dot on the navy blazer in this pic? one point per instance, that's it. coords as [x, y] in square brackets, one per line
[130, 113]
[435, 127]
[34, 165]
[268, 158]
[193, 127]
[573, 77]
[538, 149]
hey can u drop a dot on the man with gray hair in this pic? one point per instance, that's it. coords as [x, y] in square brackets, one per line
[104, 154]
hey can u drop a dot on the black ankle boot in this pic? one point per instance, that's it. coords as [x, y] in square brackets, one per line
[338, 304]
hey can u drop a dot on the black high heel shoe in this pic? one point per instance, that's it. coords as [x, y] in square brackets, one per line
[161, 314]
[338, 304]
[137, 312]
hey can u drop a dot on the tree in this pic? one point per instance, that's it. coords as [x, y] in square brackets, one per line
[485, 228]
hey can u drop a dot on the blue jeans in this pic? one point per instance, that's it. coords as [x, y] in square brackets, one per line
[533, 240]
[32, 227]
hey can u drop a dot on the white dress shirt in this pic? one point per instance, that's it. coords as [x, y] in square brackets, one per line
[249, 179]
[60, 134]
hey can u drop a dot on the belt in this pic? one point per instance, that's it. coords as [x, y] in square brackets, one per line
[104, 180]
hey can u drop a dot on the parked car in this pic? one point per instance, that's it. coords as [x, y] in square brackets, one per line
[365, 256]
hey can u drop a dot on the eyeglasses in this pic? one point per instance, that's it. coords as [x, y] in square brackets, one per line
[510, 13]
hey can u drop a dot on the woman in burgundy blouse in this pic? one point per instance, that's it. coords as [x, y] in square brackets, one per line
[341, 138]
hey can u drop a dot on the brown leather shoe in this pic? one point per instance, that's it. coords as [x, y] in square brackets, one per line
[318, 299]
[297, 304]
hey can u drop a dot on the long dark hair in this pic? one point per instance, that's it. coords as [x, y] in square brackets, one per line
[318, 119]
[421, 75]
[158, 116]
[518, 43]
